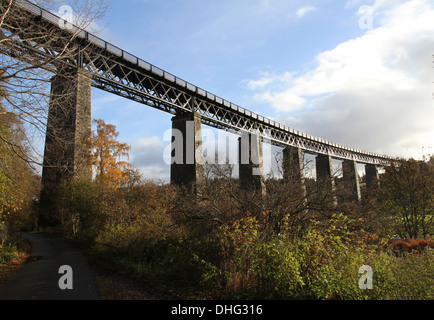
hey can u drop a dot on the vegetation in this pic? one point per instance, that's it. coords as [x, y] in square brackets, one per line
[226, 242]
[407, 193]
[27, 80]
[13, 250]
[108, 154]
[235, 243]
[18, 182]
[231, 243]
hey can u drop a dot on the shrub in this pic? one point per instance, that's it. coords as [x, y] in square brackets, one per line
[277, 270]
[408, 276]
[245, 263]
[12, 249]
[80, 210]
[227, 254]
[408, 245]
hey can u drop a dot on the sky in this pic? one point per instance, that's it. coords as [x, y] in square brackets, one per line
[356, 72]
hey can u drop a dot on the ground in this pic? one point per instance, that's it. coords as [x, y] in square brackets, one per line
[116, 286]
[112, 285]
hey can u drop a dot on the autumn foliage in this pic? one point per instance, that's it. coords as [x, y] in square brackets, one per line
[108, 155]
[18, 182]
[231, 243]
[408, 245]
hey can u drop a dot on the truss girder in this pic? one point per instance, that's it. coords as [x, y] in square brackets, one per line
[116, 71]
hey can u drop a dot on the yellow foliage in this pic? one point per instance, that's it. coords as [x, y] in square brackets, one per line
[107, 156]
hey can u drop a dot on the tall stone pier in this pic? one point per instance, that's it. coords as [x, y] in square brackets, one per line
[371, 173]
[187, 165]
[351, 181]
[293, 169]
[251, 166]
[324, 176]
[67, 143]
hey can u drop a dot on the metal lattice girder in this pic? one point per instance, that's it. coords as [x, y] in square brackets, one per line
[119, 72]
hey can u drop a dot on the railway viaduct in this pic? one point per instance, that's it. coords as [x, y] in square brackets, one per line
[94, 62]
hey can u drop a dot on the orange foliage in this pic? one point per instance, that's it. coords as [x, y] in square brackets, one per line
[407, 245]
[107, 155]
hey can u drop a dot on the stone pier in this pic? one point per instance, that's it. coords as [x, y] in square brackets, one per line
[351, 181]
[67, 144]
[371, 173]
[293, 168]
[251, 166]
[324, 175]
[187, 167]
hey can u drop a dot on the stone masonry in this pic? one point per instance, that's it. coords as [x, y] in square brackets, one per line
[187, 166]
[251, 166]
[67, 144]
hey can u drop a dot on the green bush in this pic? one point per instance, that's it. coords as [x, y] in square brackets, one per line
[244, 264]
[171, 261]
[322, 264]
[8, 252]
[13, 248]
[277, 269]
[407, 277]
[79, 209]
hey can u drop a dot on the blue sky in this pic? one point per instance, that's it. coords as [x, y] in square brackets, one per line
[322, 67]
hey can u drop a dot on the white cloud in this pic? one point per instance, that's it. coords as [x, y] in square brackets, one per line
[373, 92]
[260, 83]
[268, 78]
[150, 142]
[283, 101]
[148, 158]
[301, 12]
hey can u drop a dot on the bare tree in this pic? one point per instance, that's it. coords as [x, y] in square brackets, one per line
[41, 50]
[286, 206]
[32, 51]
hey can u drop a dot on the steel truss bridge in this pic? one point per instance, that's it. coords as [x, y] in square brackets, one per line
[117, 71]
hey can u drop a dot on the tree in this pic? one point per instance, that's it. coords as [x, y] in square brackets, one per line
[407, 191]
[26, 76]
[286, 205]
[36, 45]
[107, 156]
[18, 182]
